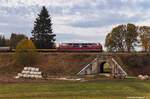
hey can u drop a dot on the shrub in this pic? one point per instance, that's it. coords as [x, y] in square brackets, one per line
[135, 62]
[26, 54]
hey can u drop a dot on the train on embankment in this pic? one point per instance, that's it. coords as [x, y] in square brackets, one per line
[66, 47]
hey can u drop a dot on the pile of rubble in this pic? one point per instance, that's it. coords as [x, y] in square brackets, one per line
[143, 77]
[30, 72]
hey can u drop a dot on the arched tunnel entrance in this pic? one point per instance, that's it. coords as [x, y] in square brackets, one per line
[104, 67]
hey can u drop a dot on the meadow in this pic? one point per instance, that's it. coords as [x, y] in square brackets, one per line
[101, 89]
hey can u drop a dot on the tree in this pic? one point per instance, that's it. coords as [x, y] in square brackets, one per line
[42, 33]
[131, 36]
[26, 54]
[122, 38]
[7, 42]
[2, 41]
[144, 34]
[115, 40]
[15, 39]
[109, 43]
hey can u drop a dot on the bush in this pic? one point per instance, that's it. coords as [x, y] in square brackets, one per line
[135, 62]
[26, 54]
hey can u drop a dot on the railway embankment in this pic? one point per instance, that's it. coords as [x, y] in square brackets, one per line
[136, 64]
[59, 64]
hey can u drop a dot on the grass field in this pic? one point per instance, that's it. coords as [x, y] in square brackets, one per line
[103, 89]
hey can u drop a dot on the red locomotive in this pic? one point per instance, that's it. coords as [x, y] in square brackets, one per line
[79, 47]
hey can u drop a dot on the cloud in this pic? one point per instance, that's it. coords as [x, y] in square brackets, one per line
[105, 20]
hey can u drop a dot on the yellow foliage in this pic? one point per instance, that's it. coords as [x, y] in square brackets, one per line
[26, 53]
[25, 44]
[145, 40]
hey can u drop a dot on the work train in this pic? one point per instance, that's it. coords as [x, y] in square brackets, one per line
[95, 47]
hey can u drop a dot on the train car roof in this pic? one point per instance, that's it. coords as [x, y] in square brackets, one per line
[79, 43]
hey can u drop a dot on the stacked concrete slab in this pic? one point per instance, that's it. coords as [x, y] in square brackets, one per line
[30, 72]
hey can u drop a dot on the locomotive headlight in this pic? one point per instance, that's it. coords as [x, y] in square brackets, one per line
[57, 45]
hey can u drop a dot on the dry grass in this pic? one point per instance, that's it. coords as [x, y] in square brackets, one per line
[51, 63]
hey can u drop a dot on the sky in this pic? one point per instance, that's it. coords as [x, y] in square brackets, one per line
[73, 20]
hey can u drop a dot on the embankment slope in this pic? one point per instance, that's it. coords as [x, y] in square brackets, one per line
[51, 63]
[59, 64]
[136, 63]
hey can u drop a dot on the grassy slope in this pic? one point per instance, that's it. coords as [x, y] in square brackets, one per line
[104, 89]
[65, 64]
[51, 63]
[71, 63]
[136, 64]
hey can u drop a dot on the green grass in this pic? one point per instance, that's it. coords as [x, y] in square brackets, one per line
[103, 89]
[106, 68]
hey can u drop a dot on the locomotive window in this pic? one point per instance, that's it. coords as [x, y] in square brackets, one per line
[84, 45]
[63, 44]
[75, 45]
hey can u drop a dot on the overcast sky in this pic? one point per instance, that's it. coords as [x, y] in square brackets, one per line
[74, 20]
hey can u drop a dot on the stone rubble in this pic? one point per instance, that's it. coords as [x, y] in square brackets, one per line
[143, 77]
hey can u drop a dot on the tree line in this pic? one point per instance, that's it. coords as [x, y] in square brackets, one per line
[12, 41]
[127, 38]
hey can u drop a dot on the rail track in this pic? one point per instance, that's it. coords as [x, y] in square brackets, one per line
[54, 51]
[81, 51]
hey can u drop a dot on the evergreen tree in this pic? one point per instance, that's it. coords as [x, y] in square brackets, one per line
[2, 41]
[42, 33]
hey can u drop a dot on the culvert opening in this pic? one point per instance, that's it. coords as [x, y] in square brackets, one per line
[104, 67]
